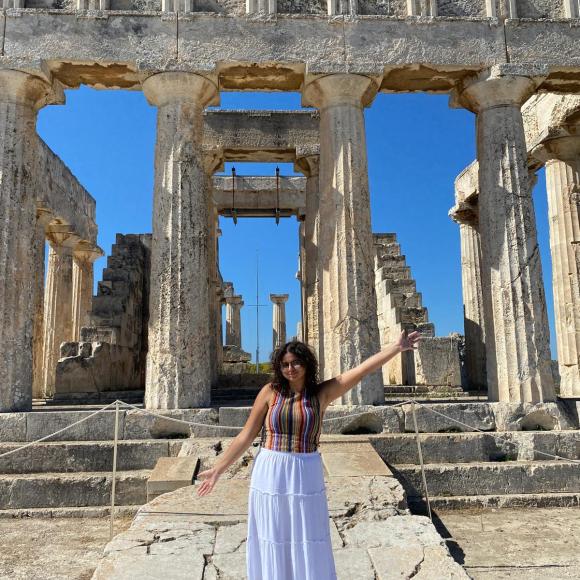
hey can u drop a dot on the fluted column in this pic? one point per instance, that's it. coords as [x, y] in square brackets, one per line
[58, 300]
[309, 165]
[84, 256]
[178, 368]
[345, 251]
[278, 319]
[562, 157]
[516, 322]
[21, 96]
[233, 321]
[474, 327]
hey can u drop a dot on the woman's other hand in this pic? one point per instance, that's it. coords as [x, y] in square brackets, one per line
[210, 476]
[408, 341]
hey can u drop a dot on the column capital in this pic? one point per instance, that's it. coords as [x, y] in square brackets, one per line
[22, 88]
[339, 89]
[562, 147]
[234, 300]
[213, 159]
[43, 216]
[499, 85]
[307, 164]
[62, 236]
[279, 298]
[166, 88]
[87, 252]
[464, 213]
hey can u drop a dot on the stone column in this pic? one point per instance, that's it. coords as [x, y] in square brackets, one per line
[84, 256]
[309, 165]
[233, 321]
[466, 216]
[516, 323]
[43, 218]
[562, 157]
[58, 305]
[278, 319]
[178, 367]
[21, 96]
[345, 250]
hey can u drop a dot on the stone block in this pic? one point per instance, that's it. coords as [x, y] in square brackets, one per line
[450, 417]
[231, 538]
[13, 427]
[100, 427]
[353, 563]
[437, 362]
[533, 416]
[230, 566]
[355, 459]
[352, 419]
[234, 416]
[171, 473]
[141, 425]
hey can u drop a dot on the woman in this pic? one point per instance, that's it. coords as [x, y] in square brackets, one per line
[288, 520]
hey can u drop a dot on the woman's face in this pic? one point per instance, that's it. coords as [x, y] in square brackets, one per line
[293, 369]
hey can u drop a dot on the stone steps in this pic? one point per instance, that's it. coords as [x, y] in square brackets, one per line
[484, 478]
[55, 490]
[85, 456]
[70, 512]
[475, 447]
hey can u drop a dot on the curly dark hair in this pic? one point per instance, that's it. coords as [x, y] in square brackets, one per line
[305, 354]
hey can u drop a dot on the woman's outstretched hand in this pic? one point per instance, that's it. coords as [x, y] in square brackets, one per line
[210, 476]
[408, 341]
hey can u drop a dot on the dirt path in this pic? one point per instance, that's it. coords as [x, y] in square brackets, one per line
[51, 549]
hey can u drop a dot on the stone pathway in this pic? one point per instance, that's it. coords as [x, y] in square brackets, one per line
[526, 544]
[53, 549]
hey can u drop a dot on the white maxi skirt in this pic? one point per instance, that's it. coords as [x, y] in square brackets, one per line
[288, 519]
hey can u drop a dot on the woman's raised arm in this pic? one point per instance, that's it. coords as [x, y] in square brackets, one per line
[334, 388]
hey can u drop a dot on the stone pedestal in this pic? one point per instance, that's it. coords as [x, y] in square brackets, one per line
[178, 366]
[516, 323]
[58, 294]
[475, 362]
[278, 319]
[349, 332]
[84, 256]
[309, 270]
[233, 321]
[562, 156]
[21, 95]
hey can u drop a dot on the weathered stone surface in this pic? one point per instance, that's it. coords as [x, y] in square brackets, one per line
[437, 362]
[478, 415]
[278, 319]
[231, 538]
[13, 427]
[355, 459]
[367, 419]
[169, 474]
[353, 563]
[530, 417]
[139, 425]
[99, 427]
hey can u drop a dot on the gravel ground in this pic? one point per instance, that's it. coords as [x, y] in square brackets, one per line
[519, 544]
[53, 549]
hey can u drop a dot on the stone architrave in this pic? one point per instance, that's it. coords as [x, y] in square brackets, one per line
[21, 96]
[44, 217]
[516, 322]
[58, 300]
[233, 321]
[562, 157]
[309, 270]
[349, 332]
[466, 216]
[178, 367]
[278, 319]
[84, 256]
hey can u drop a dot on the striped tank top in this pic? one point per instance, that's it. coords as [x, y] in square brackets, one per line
[293, 423]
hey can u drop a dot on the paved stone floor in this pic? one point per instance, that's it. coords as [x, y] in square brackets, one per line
[53, 549]
[517, 544]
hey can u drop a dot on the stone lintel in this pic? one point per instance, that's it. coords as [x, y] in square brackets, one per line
[262, 136]
[257, 196]
[250, 54]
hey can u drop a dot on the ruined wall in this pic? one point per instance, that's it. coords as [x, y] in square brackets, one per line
[112, 351]
[540, 9]
[383, 7]
[462, 8]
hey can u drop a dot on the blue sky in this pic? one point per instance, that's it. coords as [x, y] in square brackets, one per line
[416, 146]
